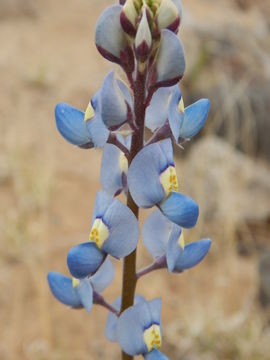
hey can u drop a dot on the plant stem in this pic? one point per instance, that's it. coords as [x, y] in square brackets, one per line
[129, 266]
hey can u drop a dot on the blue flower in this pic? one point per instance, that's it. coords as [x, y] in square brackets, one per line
[167, 105]
[152, 181]
[114, 231]
[79, 293]
[162, 238]
[139, 328]
[112, 319]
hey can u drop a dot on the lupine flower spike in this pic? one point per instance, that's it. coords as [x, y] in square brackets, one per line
[141, 36]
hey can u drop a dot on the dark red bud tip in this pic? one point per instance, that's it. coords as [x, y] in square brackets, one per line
[127, 25]
[175, 25]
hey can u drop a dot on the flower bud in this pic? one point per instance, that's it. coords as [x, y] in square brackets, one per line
[143, 40]
[168, 16]
[128, 17]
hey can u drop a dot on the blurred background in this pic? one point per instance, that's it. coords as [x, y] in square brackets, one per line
[220, 309]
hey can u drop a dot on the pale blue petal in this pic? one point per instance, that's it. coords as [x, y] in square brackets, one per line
[111, 172]
[112, 319]
[110, 37]
[176, 117]
[144, 172]
[195, 117]
[155, 311]
[114, 109]
[62, 289]
[179, 260]
[155, 233]
[124, 231]
[71, 125]
[102, 202]
[130, 328]
[85, 292]
[170, 60]
[155, 355]
[84, 259]
[103, 277]
[98, 131]
[157, 112]
[180, 209]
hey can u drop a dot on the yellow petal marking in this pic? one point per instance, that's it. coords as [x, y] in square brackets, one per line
[89, 113]
[181, 105]
[152, 337]
[99, 233]
[75, 282]
[181, 241]
[123, 163]
[169, 181]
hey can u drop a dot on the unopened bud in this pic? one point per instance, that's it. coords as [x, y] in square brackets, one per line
[128, 17]
[143, 40]
[168, 16]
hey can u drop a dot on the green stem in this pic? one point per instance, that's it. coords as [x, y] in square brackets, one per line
[129, 267]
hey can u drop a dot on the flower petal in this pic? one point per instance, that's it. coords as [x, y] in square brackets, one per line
[113, 165]
[170, 60]
[103, 277]
[157, 111]
[110, 37]
[180, 209]
[102, 202]
[155, 310]
[112, 319]
[156, 232]
[195, 117]
[176, 116]
[84, 259]
[114, 111]
[155, 355]
[62, 289]
[179, 260]
[71, 125]
[124, 231]
[85, 292]
[130, 328]
[144, 173]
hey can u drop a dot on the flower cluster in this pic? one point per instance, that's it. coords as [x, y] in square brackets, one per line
[141, 37]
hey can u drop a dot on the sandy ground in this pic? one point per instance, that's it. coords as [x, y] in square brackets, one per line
[47, 190]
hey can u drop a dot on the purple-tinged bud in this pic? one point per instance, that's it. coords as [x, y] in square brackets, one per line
[143, 40]
[168, 16]
[110, 38]
[128, 17]
[122, 2]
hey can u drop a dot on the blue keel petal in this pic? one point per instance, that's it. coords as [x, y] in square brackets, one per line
[62, 289]
[71, 125]
[180, 209]
[84, 259]
[103, 277]
[179, 260]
